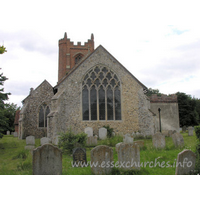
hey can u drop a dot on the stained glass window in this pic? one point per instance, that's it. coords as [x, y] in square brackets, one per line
[101, 95]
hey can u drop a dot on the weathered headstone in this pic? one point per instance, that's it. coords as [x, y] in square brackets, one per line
[158, 140]
[165, 133]
[15, 134]
[45, 140]
[117, 146]
[8, 133]
[140, 143]
[113, 134]
[91, 141]
[101, 160]
[190, 131]
[129, 156]
[55, 140]
[184, 128]
[185, 162]
[79, 157]
[30, 143]
[178, 140]
[128, 139]
[89, 131]
[102, 133]
[47, 160]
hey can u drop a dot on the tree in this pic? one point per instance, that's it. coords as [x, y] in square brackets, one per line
[151, 91]
[2, 49]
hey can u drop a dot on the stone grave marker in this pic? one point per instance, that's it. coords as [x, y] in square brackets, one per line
[101, 155]
[89, 131]
[55, 140]
[47, 160]
[185, 162]
[129, 156]
[178, 140]
[140, 143]
[79, 157]
[30, 143]
[158, 141]
[91, 141]
[128, 139]
[184, 128]
[7, 132]
[102, 133]
[117, 146]
[45, 140]
[190, 131]
[166, 133]
[15, 134]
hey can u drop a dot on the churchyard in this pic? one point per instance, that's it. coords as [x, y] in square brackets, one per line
[16, 156]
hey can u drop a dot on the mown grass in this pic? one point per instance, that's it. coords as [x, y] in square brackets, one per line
[15, 160]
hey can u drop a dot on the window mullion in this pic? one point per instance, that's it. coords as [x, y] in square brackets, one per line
[97, 104]
[89, 105]
[106, 104]
[113, 103]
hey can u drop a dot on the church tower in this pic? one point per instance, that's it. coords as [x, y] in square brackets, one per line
[70, 54]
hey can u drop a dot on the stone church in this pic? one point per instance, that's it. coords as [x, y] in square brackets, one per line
[93, 89]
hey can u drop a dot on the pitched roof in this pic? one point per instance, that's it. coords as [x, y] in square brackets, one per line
[89, 55]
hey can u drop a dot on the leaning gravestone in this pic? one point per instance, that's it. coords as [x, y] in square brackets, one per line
[79, 157]
[128, 139]
[47, 160]
[8, 133]
[102, 133]
[190, 131]
[45, 140]
[158, 140]
[30, 143]
[185, 162]
[178, 140]
[129, 156]
[91, 141]
[101, 159]
[89, 131]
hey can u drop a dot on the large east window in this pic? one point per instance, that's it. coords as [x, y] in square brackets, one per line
[101, 95]
[43, 112]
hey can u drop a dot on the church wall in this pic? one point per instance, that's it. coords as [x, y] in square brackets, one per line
[67, 103]
[29, 116]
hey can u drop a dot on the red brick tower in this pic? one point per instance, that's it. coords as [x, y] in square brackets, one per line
[70, 54]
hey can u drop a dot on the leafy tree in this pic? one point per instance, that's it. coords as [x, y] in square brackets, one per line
[151, 91]
[2, 49]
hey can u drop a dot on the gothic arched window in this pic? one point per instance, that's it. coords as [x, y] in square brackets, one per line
[43, 112]
[78, 58]
[101, 95]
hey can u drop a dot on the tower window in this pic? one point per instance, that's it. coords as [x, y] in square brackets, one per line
[101, 95]
[78, 58]
[43, 112]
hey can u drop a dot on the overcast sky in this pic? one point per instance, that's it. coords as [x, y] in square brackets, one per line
[157, 41]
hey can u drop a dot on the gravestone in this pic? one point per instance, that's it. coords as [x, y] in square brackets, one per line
[89, 131]
[165, 133]
[79, 157]
[140, 143]
[178, 140]
[185, 162]
[190, 131]
[128, 139]
[15, 134]
[184, 129]
[101, 159]
[102, 133]
[113, 134]
[117, 146]
[158, 141]
[8, 133]
[30, 143]
[55, 140]
[91, 141]
[129, 156]
[47, 160]
[45, 140]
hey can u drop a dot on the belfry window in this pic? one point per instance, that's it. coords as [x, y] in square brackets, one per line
[43, 112]
[78, 58]
[101, 95]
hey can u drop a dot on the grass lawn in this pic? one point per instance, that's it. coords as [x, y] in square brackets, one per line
[15, 160]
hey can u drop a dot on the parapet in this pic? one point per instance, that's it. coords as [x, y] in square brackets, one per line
[154, 98]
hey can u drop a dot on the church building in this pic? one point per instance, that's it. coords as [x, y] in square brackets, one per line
[93, 89]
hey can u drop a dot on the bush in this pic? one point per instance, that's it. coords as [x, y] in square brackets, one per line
[197, 131]
[109, 131]
[68, 141]
[1, 135]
